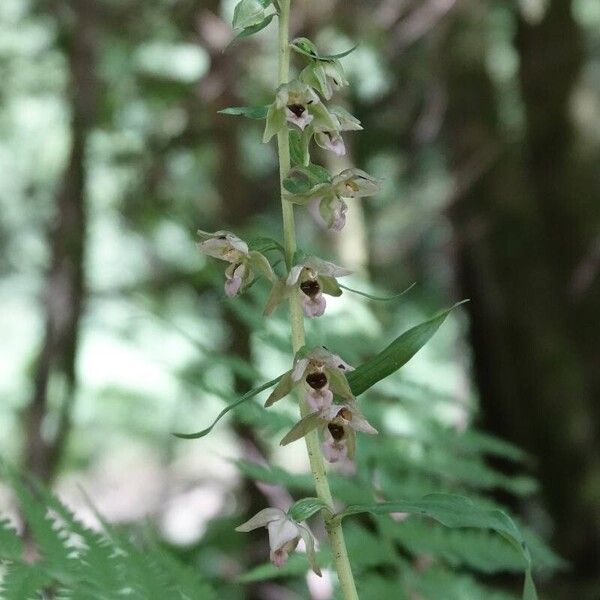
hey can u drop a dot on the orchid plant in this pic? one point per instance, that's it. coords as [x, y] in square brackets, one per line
[324, 386]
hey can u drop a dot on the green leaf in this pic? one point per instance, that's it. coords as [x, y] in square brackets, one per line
[252, 112]
[255, 28]
[396, 355]
[248, 13]
[456, 511]
[377, 298]
[306, 507]
[246, 396]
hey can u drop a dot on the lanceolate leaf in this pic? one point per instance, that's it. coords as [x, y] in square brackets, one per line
[252, 112]
[246, 396]
[457, 511]
[396, 355]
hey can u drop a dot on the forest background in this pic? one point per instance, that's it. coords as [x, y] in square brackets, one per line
[483, 120]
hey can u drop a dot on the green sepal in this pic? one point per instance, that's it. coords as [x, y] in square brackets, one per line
[315, 76]
[307, 507]
[323, 120]
[457, 512]
[284, 387]
[325, 209]
[299, 257]
[246, 396]
[279, 292]
[338, 383]
[396, 355]
[260, 263]
[302, 427]
[275, 122]
[330, 286]
[251, 112]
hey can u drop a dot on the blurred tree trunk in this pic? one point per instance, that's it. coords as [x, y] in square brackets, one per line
[519, 230]
[55, 368]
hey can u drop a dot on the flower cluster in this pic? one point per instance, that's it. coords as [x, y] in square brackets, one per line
[320, 375]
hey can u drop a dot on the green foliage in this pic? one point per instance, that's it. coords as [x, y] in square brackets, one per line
[80, 563]
[252, 112]
[397, 354]
[457, 511]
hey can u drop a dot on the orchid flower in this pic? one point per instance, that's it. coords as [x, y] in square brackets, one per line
[312, 279]
[284, 535]
[320, 373]
[326, 200]
[331, 139]
[338, 424]
[297, 104]
[244, 263]
[322, 73]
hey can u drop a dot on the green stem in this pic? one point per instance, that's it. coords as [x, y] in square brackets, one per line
[317, 466]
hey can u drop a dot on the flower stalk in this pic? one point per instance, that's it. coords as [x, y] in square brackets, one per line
[317, 466]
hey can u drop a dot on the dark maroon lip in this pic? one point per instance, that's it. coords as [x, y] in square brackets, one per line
[311, 287]
[316, 380]
[297, 109]
[336, 431]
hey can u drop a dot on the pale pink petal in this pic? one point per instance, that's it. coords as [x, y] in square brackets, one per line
[300, 121]
[319, 399]
[313, 307]
[299, 369]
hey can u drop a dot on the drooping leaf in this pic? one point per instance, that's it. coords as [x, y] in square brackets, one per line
[246, 396]
[397, 354]
[378, 298]
[456, 511]
[252, 112]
